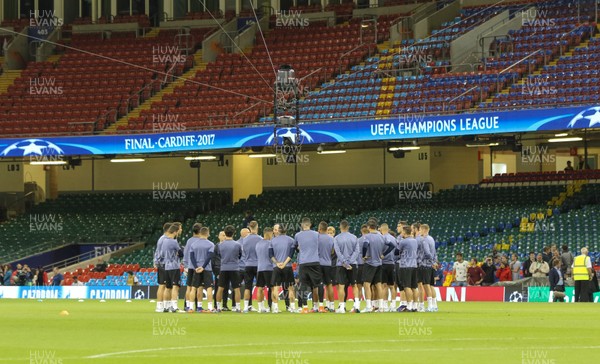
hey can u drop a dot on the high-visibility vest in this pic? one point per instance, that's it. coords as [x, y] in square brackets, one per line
[580, 271]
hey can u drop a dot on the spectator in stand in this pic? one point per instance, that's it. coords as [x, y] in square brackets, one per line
[76, 282]
[249, 216]
[539, 268]
[39, 277]
[474, 274]
[7, 274]
[27, 277]
[527, 265]
[438, 277]
[1, 275]
[132, 280]
[553, 249]
[555, 256]
[583, 164]
[57, 279]
[459, 271]
[497, 260]
[515, 267]
[14, 279]
[489, 269]
[557, 283]
[100, 266]
[569, 166]
[504, 274]
[546, 255]
[566, 261]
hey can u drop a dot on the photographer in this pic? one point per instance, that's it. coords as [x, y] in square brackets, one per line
[25, 276]
[19, 276]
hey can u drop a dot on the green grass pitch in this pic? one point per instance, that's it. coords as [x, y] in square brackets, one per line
[121, 332]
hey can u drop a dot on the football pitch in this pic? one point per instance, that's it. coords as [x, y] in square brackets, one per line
[121, 332]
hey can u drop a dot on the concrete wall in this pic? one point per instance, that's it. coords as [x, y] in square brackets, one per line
[246, 177]
[18, 52]
[116, 27]
[466, 44]
[399, 9]
[452, 166]
[246, 38]
[423, 28]
[209, 51]
[11, 176]
[102, 175]
[355, 167]
[199, 23]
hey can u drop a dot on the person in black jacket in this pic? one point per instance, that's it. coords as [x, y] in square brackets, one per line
[489, 269]
[527, 264]
[557, 283]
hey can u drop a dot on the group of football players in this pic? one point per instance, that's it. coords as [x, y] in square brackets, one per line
[375, 267]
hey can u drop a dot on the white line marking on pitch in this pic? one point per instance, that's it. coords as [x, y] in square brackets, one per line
[149, 350]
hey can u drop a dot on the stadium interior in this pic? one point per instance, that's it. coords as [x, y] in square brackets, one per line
[115, 68]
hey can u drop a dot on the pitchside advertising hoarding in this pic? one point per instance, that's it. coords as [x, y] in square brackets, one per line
[444, 294]
[457, 294]
[402, 127]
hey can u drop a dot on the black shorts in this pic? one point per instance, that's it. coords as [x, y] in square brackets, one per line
[347, 277]
[327, 274]
[310, 274]
[426, 274]
[160, 276]
[387, 274]
[172, 278]
[360, 273]
[249, 276]
[204, 279]
[190, 277]
[432, 280]
[399, 279]
[229, 277]
[408, 277]
[283, 277]
[264, 278]
[371, 274]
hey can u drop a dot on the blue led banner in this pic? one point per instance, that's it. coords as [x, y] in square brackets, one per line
[403, 127]
[68, 292]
